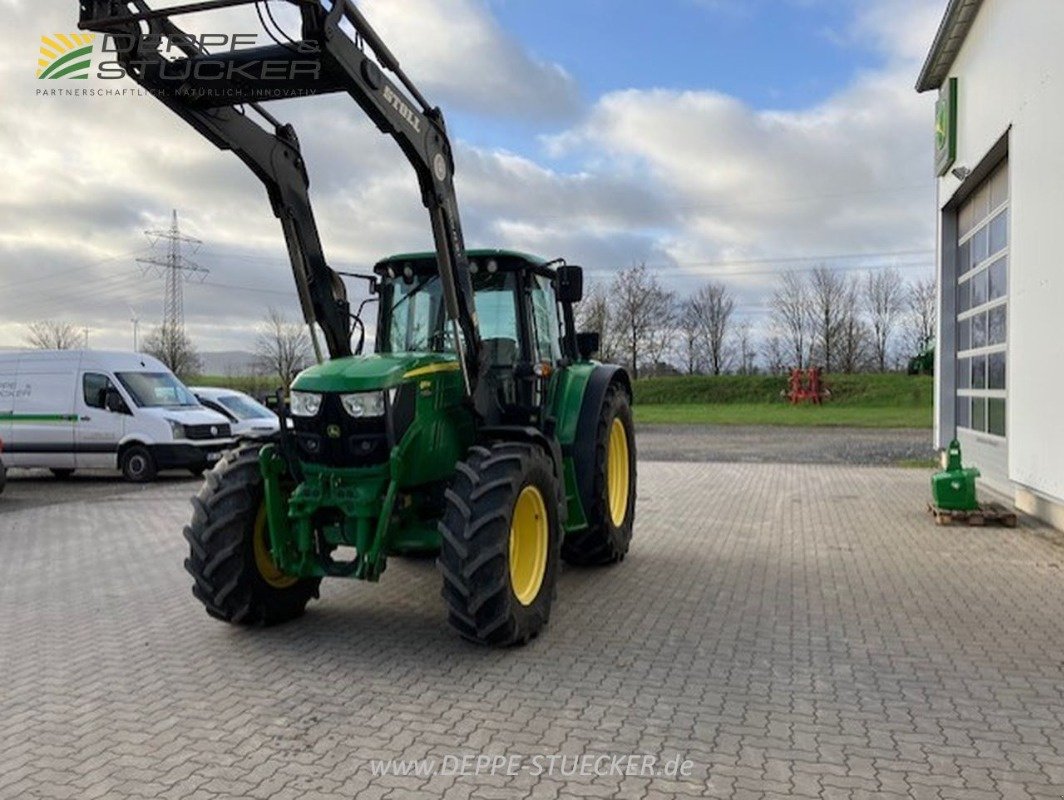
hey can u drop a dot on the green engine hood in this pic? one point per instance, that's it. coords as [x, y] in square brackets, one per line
[377, 371]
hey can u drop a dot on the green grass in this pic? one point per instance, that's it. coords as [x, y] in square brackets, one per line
[886, 390]
[803, 416]
[919, 463]
[863, 401]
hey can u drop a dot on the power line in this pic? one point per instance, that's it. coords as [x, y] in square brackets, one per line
[75, 268]
[787, 259]
[703, 273]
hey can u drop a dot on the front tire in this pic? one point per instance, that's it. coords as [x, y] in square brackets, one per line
[229, 559]
[501, 544]
[612, 510]
[138, 464]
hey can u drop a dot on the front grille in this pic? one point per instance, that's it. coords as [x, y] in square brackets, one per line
[336, 439]
[220, 430]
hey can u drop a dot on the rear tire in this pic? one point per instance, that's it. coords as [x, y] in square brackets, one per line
[235, 578]
[501, 544]
[138, 464]
[612, 512]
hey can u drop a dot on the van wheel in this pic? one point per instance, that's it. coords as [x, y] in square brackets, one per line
[62, 474]
[138, 465]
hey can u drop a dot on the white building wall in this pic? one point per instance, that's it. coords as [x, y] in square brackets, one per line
[1011, 80]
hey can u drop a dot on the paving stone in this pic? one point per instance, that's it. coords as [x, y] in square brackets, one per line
[793, 630]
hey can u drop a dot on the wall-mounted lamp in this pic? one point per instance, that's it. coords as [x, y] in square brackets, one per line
[961, 173]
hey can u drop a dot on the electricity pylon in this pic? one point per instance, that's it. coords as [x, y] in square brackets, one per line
[176, 269]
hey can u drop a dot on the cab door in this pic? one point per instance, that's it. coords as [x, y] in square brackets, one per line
[99, 430]
[546, 333]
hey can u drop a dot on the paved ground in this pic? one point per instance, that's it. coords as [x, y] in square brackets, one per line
[791, 630]
[762, 444]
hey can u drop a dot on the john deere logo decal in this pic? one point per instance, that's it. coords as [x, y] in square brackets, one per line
[65, 55]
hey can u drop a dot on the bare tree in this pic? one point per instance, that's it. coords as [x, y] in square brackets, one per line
[854, 339]
[827, 311]
[747, 349]
[282, 347]
[714, 306]
[689, 328]
[791, 319]
[644, 314]
[921, 315]
[51, 335]
[884, 302]
[775, 352]
[172, 346]
[593, 315]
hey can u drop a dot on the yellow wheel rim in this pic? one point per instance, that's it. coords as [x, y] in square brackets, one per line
[618, 473]
[529, 540]
[263, 560]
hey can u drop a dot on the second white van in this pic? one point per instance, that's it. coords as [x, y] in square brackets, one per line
[65, 410]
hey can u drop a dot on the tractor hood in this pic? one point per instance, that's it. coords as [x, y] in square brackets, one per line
[377, 371]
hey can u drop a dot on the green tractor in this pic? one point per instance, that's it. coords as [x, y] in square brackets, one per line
[480, 429]
[923, 363]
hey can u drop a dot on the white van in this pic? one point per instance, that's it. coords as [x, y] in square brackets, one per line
[93, 409]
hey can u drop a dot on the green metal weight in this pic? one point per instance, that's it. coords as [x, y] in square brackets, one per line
[953, 489]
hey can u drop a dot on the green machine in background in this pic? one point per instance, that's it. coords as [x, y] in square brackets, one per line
[953, 489]
[923, 363]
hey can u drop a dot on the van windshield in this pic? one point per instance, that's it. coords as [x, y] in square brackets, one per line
[156, 389]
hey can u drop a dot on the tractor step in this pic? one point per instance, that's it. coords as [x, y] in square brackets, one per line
[986, 514]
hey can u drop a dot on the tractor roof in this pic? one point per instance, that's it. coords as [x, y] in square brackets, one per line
[530, 260]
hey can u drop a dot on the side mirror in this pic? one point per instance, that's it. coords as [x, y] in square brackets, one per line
[587, 344]
[113, 401]
[570, 284]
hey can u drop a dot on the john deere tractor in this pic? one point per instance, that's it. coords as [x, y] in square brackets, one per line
[479, 429]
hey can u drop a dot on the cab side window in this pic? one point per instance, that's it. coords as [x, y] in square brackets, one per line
[545, 319]
[94, 387]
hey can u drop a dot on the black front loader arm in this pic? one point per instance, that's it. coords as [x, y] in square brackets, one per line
[212, 92]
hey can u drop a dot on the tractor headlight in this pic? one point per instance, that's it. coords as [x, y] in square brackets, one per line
[305, 404]
[364, 404]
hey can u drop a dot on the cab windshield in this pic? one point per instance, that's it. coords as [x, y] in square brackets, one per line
[156, 390]
[416, 320]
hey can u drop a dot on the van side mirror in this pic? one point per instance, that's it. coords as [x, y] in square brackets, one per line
[113, 401]
[570, 284]
[588, 344]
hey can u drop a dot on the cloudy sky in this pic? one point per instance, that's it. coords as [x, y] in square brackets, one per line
[726, 139]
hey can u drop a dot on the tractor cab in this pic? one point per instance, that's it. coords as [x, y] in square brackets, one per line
[525, 322]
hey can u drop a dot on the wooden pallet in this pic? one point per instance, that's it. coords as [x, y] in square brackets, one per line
[988, 514]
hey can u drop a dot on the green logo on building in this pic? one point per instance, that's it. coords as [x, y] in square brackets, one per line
[65, 55]
[946, 127]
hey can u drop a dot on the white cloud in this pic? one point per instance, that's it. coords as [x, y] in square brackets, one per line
[456, 50]
[849, 175]
[661, 176]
